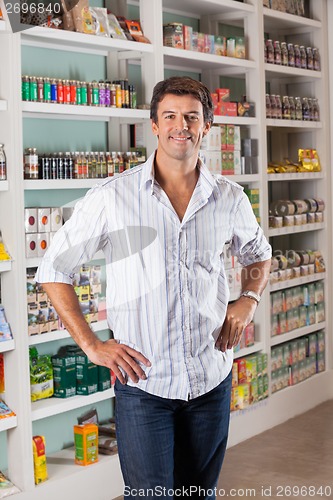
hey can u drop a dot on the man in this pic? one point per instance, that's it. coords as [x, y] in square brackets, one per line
[167, 301]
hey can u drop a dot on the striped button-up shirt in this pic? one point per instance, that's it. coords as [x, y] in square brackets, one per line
[167, 292]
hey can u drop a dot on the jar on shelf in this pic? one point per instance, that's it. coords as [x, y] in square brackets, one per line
[291, 55]
[47, 90]
[84, 93]
[278, 106]
[277, 52]
[268, 106]
[25, 88]
[101, 94]
[60, 91]
[309, 58]
[270, 51]
[306, 111]
[54, 90]
[298, 108]
[316, 59]
[284, 54]
[3, 163]
[95, 94]
[273, 106]
[292, 108]
[73, 91]
[30, 163]
[40, 89]
[297, 56]
[285, 108]
[33, 89]
[315, 110]
[303, 57]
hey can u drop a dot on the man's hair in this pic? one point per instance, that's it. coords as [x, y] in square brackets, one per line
[182, 85]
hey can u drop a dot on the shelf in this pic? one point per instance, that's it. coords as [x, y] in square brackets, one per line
[53, 406]
[303, 280]
[235, 120]
[294, 124]
[276, 70]
[280, 231]
[5, 265]
[273, 20]
[296, 176]
[204, 7]
[48, 38]
[3, 104]
[246, 351]
[199, 60]
[243, 179]
[294, 334]
[8, 423]
[63, 334]
[7, 345]
[4, 185]
[41, 184]
[75, 112]
[35, 261]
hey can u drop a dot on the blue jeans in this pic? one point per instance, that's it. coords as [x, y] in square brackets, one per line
[171, 448]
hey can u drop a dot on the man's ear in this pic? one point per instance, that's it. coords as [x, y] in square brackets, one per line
[206, 129]
[154, 128]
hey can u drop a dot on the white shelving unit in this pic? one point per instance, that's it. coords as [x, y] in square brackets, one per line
[8, 423]
[54, 406]
[7, 345]
[99, 326]
[66, 479]
[303, 280]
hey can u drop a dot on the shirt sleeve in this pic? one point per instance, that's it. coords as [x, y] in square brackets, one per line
[248, 243]
[77, 241]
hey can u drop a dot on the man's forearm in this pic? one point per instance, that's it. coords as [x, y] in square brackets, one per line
[65, 302]
[255, 276]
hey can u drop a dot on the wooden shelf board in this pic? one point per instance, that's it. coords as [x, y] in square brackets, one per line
[273, 20]
[7, 345]
[246, 351]
[294, 124]
[191, 59]
[296, 176]
[63, 334]
[8, 423]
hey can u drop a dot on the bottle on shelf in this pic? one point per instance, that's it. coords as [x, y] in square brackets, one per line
[316, 59]
[292, 108]
[285, 108]
[277, 52]
[306, 110]
[3, 163]
[298, 108]
[284, 54]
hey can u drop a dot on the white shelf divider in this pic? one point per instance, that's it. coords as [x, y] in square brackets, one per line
[205, 7]
[303, 280]
[81, 42]
[63, 334]
[284, 20]
[7, 345]
[295, 124]
[280, 231]
[295, 176]
[3, 104]
[5, 265]
[276, 71]
[53, 406]
[77, 112]
[190, 58]
[8, 423]
[235, 120]
[246, 351]
[294, 334]
[42, 184]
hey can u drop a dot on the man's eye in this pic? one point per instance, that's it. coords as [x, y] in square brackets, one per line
[168, 117]
[192, 118]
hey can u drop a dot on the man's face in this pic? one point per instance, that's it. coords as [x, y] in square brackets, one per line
[180, 126]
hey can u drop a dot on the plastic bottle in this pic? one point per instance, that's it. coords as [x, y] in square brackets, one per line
[3, 163]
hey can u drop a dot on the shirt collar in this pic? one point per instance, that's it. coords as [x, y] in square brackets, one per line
[207, 181]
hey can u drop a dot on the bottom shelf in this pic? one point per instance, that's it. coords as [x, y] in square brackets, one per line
[280, 406]
[102, 480]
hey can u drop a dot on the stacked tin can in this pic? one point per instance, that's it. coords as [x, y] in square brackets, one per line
[118, 94]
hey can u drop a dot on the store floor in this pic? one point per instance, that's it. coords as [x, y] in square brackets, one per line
[275, 463]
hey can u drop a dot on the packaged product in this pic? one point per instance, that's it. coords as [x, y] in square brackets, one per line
[100, 20]
[134, 27]
[82, 17]
[173, 35]
[107, 445]
[7, 488]
[90, 417]
[67, 17]
[86, 444]
[115, 29]
[41, 375]
[40, 466]
[5, 411]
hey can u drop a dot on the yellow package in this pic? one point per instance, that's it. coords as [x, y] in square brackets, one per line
[40, 467]
[315, 160]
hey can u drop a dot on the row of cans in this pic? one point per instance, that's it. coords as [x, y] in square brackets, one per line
[288, 54]
[77, 165]
[118, 94]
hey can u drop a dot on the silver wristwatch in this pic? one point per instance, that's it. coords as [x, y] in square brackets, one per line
[252, 295]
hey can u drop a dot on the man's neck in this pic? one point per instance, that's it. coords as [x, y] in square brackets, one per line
[174, 174]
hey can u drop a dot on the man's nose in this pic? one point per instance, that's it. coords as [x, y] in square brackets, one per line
[182, 123]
